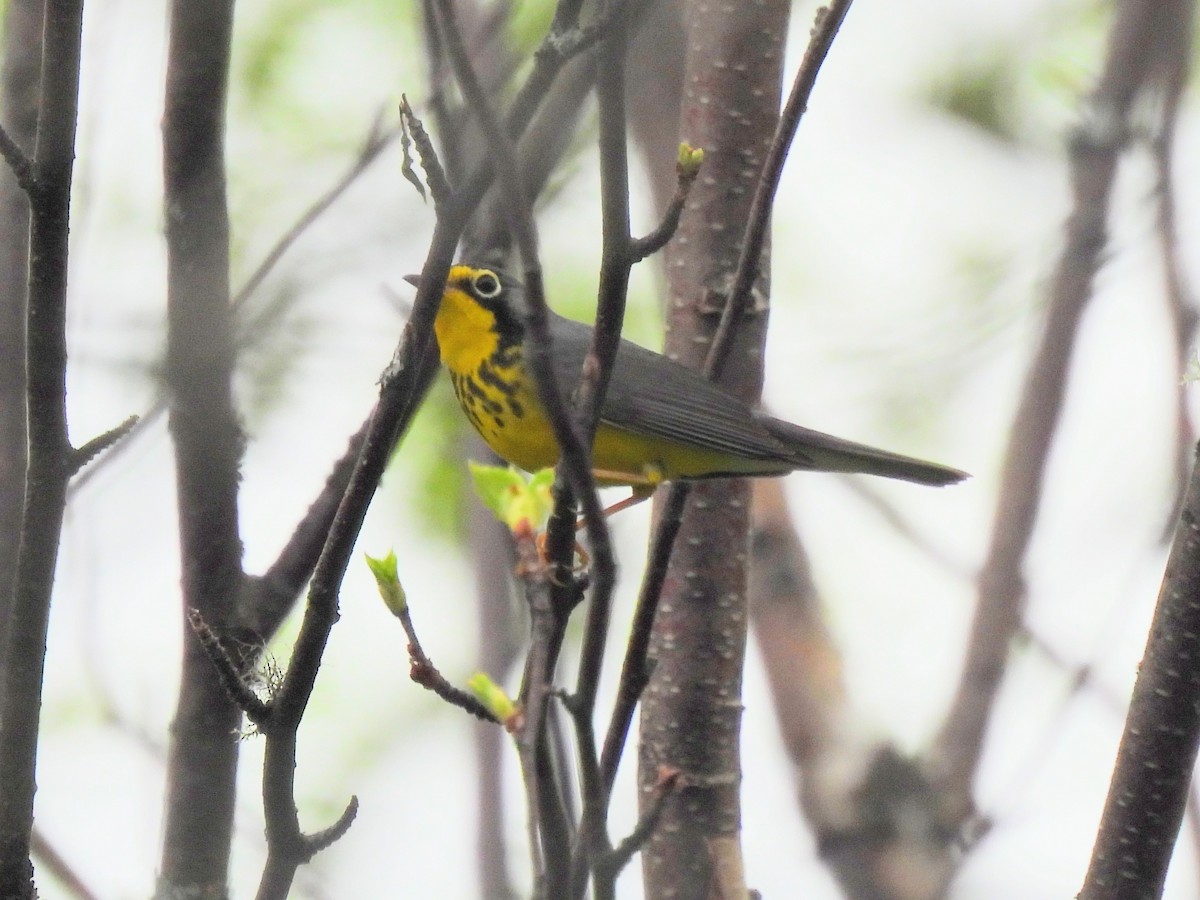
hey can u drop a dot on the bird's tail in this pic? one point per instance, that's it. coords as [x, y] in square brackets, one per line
[826, 453]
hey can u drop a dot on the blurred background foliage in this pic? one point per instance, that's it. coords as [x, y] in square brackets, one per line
[1024, 89]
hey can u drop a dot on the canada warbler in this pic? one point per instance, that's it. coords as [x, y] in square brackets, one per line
[660, 420]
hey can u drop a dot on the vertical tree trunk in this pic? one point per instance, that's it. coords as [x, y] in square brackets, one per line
[691, 713]
[492, 550]
[202, 758]
[50, 456]
[18, 107]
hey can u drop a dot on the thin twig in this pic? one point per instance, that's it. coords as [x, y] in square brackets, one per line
[328, 837]
[542, 149]
[617, 259]
[657, 239]
[275, 592]
[574, 453]
[646, 823]
[21, 165]
[426, 674]
[825, 28]
[228, 670]
[545, 636]
[270, 597]
[551, 56]
[497, 63]
[97, 445]
[377, 140]
[448, 122]
[374, 143]
[635, 670]
[490, 236]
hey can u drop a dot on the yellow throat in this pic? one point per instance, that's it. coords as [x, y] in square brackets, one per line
[466, 331]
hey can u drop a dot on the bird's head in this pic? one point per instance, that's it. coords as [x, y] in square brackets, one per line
[471, 290]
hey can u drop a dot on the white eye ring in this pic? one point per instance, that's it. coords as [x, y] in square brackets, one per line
[486, 285]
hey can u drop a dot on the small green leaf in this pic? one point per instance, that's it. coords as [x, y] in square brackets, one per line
[388, 581]
[497, 487]
[515, 501]
[492, 696]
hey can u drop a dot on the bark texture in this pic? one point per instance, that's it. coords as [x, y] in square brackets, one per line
[1149, 787]
[691, 713]
[51, 460]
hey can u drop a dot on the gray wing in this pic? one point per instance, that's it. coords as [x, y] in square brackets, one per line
[653, 395]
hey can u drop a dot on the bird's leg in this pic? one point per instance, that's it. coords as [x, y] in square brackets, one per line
[642, 487]
[640, 494]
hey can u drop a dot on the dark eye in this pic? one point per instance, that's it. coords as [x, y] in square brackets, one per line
[487, 285]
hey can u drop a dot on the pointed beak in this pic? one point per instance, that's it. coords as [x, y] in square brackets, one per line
[414, 280]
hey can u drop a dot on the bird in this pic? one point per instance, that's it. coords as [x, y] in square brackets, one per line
[660, 420]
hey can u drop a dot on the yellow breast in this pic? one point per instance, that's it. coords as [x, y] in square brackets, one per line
[492, 385]
[500, 402]
[465, 332]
